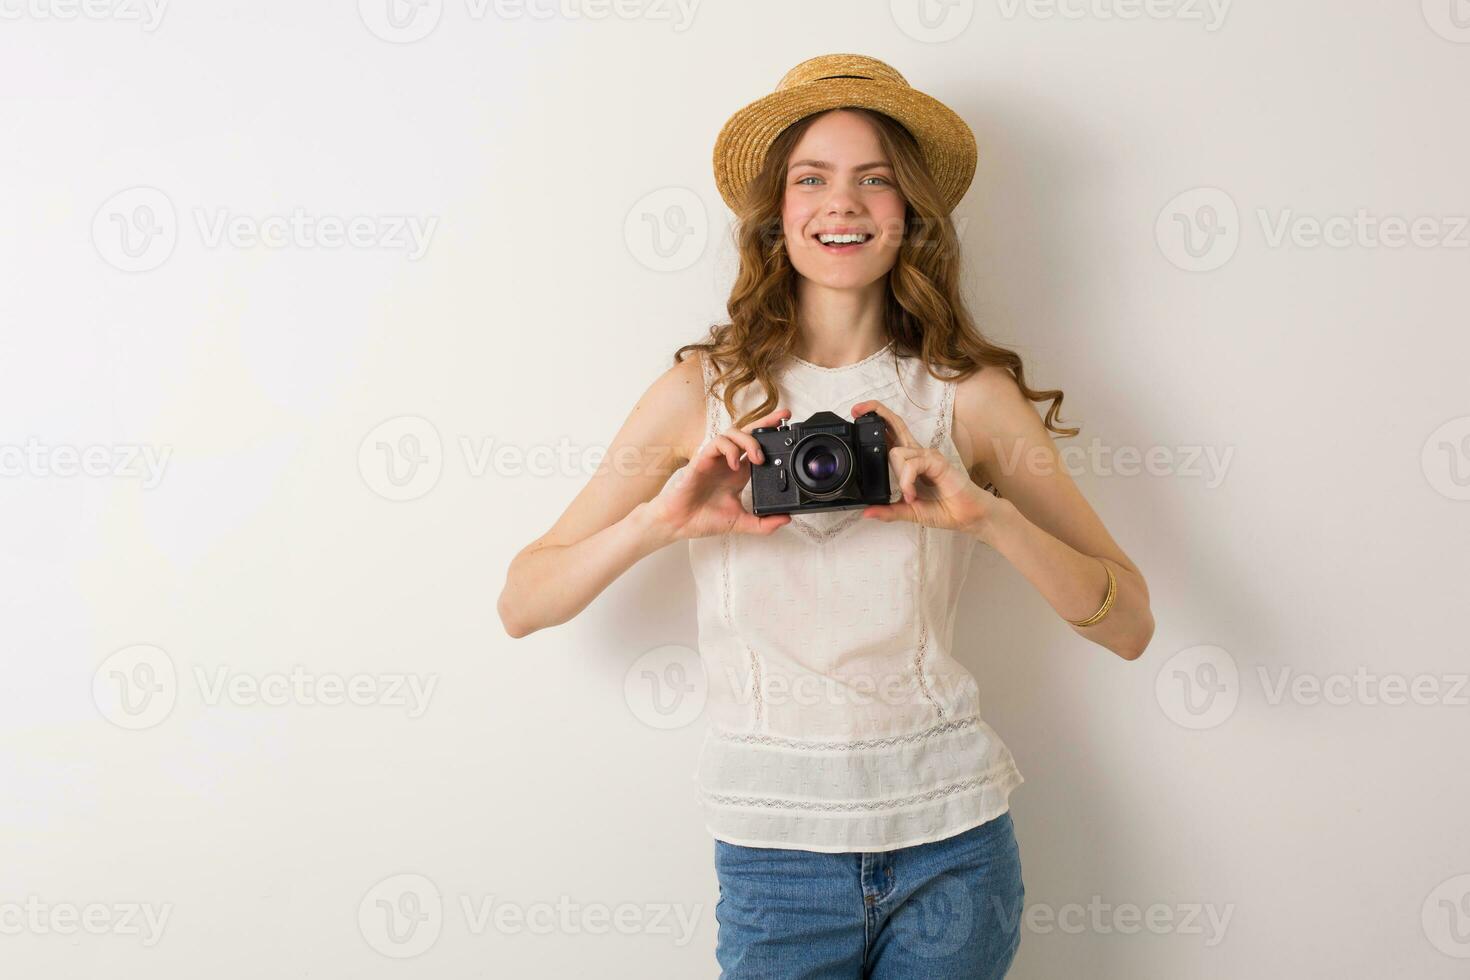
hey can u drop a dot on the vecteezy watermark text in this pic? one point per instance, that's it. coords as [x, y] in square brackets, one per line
[1103, 918]
[121, 460]
[137, 687]
[1211, 13]
[36, 917]
[137, 229]
[402, 459]
[407, 21]
[1200, 687]
[1199, 230]
[403, 915]
[147, 13]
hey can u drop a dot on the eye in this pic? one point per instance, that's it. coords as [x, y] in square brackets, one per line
[803, 180]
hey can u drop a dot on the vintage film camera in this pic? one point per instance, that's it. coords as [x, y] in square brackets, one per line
[824, 463]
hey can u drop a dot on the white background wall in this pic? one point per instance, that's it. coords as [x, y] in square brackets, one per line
[1305, 519]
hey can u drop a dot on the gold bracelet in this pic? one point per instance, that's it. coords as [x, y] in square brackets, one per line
[1107, 602]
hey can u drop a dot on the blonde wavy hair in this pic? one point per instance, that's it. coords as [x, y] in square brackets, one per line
[924, 312]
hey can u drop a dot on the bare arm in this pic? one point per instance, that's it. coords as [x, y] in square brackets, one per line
[1042, 524]
[607, 528]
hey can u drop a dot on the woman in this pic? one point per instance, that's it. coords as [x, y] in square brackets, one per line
[858, 802]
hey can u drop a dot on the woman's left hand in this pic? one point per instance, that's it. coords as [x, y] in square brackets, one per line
[935, 492]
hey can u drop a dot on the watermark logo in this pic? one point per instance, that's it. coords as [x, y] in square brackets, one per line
[146, 13]
[402, 458]
[1201, 686]
[1103, 918]
[1210, 13]
[678, 13]
[1446, 917]
[1198, 687]
[1199, 230]
[666, 687]
[135, 230]
[1364, 687]
[39, 918]
[1363, 229]
[1208, 464]
[932, 21]
[568, 917]
[1445, 459]
[222, 685]
[666, 230]
[406, 21]
[939, 920]
[1450, 19]
[748, 685]
[123, 461]
[401, 916]
[406, 233]
[400, 21]
[136, 687]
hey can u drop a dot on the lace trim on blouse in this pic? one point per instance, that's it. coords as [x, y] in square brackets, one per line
[991, 775]
[888, 741]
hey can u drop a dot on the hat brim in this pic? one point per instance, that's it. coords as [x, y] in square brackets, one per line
[944, 138]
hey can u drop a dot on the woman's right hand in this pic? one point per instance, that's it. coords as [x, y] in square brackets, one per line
[702, 498]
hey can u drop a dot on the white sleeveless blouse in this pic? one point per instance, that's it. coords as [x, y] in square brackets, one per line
[838, 718]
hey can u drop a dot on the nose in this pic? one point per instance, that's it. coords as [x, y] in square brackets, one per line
[841, 199]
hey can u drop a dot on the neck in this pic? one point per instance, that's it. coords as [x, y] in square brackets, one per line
[839, 326]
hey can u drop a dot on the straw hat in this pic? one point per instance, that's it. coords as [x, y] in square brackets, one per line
[830, 81]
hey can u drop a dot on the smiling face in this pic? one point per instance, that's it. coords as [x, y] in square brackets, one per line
[839, 180]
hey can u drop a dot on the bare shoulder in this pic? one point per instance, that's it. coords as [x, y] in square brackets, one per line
[990, 411]
[674, 405]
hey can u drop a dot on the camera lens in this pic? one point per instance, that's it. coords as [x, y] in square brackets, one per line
[821, 464]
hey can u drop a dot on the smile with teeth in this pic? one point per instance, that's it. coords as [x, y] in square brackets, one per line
[843, 243]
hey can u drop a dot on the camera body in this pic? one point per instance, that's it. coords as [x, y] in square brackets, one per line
[824, 463]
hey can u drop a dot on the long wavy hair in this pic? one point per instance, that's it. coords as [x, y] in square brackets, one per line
[924, 312]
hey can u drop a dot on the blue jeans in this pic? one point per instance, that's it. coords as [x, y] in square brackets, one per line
[945, 910]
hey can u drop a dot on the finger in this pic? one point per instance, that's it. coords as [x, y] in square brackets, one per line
[887, 513]
[748, 523]
[716, 448]
[901, 458]
[747, 442]
[934, 466]
[704, 459]
[925, 464]
[899, 455]
[907, 474]
[731, 451]
[879, 512]
[899, 432]
[771, 522]
[770, 419]
[925, 512]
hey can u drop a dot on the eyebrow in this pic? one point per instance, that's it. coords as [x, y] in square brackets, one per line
[824, 165]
